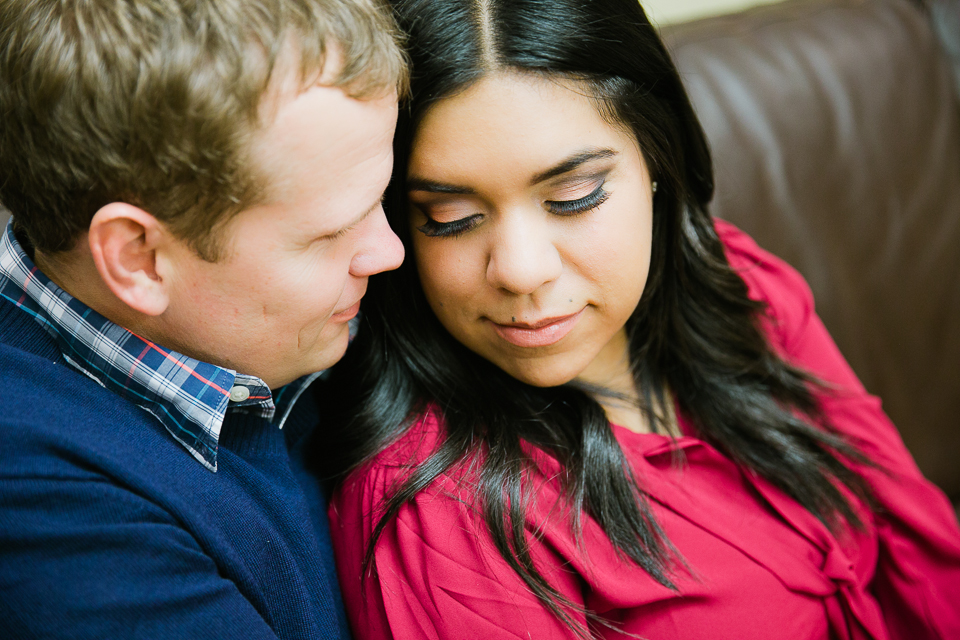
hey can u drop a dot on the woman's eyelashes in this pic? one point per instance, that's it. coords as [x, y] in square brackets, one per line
[581, 205]
[454, 228]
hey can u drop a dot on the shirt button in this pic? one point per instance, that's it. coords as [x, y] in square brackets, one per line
[239, 394]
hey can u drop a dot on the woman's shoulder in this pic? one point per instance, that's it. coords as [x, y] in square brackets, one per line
[410, 449]
[453, 490]
[790, 321]
[770, 280]
[449, 493]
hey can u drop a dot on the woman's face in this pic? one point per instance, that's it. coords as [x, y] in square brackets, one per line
[531, 220]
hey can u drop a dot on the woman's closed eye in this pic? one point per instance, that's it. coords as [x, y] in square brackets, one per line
[450, 218]
[454, 228]
[579, 205]
[446, 214]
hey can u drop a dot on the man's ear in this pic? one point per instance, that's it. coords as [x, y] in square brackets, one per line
[124, 241]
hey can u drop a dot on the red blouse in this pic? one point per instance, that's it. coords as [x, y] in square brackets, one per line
[759, 565]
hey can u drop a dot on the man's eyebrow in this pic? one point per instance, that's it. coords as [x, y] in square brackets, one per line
[572, 163]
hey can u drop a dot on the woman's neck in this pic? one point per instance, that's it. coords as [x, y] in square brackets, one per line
[611, 372]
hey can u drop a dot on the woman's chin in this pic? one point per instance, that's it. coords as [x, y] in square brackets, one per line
[545, 375]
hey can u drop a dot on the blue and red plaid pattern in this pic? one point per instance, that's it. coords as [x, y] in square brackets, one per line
[189, 397]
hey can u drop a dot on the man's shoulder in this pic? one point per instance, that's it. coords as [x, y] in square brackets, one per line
[55, 419]
[38, 388]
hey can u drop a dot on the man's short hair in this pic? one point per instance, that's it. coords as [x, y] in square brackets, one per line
[155, 102]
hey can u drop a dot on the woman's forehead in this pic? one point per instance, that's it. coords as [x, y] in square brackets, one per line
[511, 121]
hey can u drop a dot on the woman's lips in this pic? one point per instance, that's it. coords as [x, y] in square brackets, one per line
[539, 334]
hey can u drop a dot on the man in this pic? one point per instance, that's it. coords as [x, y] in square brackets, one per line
[195, 188]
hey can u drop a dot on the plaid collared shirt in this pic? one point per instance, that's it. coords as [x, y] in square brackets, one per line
[190, 398]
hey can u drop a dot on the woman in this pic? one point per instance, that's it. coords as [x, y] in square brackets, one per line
[584, 408]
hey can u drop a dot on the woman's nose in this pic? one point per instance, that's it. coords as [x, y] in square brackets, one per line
[524, 255]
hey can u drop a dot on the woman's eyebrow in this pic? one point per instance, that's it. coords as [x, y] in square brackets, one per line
[432, 186]
[564, 166]
[572, 163]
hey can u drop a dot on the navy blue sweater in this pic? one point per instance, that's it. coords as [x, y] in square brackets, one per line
[110, 529]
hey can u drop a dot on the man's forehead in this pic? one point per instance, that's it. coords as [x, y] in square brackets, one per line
[293, 75]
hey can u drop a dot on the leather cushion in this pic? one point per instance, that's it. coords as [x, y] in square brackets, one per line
[836, 139]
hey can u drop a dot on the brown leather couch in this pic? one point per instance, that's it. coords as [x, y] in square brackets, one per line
[835, 129]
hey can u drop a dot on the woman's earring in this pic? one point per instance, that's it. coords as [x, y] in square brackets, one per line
[653, 186]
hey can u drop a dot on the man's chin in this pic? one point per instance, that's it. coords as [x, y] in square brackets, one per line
[333, 349]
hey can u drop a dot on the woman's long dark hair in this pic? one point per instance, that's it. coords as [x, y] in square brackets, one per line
[695, 332]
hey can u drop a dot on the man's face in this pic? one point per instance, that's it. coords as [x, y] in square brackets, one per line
[295, 267]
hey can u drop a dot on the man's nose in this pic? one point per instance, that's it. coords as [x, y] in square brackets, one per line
[381, 249]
